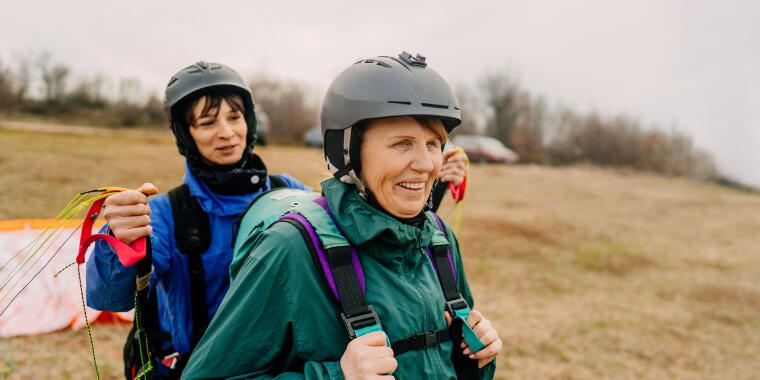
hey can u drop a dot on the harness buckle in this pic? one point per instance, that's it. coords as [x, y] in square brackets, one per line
[431, 339]
[456, 304]
[360, 321]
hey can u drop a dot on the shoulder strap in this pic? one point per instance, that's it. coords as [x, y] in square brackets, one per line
[193, 236]
[277, 181]
[340, 267]
[456, 306]
[191, 226]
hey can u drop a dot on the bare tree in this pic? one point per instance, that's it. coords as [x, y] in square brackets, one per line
[89, 93]
[473, 112]
[501, 95]
[287, 105]
[7, 90]
[54, 77]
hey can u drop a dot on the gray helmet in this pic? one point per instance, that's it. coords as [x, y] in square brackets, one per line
[380, 87]
[200, 79]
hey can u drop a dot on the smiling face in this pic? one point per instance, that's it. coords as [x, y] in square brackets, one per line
[219, 132]
[400, 160]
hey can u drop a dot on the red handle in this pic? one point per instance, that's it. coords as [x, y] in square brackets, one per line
[128, 254]
[457, 191]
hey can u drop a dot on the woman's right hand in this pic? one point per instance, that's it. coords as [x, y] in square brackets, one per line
[128, 214]
[368, 357]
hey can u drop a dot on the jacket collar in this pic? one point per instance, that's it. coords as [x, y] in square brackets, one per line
[215, 204]
[362, 223]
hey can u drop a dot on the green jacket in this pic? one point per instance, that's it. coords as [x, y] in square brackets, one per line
[279, 318]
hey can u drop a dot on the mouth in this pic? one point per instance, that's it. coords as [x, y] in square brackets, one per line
[227, 149]
[414, 186]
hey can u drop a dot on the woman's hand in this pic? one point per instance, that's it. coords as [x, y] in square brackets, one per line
[454, 166]
[486, 333]
[367, 357]
[128, 214]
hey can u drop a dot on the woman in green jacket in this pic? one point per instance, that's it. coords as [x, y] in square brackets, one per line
[384, 122]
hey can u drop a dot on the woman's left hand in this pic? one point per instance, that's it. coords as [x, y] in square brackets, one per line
[487, 335]
[454, 167]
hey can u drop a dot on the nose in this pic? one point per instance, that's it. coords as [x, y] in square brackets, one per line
[423, 160]
[225, 129]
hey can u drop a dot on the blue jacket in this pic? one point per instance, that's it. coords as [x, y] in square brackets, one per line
[111, 286]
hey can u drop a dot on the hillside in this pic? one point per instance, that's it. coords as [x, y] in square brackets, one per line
[586, 272]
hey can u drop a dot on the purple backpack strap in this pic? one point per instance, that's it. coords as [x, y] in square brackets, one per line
[322, 202]
[448, 251]
[320, 251]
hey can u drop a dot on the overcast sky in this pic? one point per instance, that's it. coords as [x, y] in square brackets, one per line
[692, 65]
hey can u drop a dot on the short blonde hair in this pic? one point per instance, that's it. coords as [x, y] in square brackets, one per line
[434, 124]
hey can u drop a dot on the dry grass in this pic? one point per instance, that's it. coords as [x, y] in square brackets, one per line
[587, 273]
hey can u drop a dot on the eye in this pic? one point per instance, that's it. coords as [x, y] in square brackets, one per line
[402, 144]
[207, 122]
[434, 144]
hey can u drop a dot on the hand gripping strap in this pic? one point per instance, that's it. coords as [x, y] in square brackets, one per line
[469, 335]
[128, 254]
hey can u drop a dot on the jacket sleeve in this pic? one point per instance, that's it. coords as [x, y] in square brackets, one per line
[252, 333]
[489, 370]
[111, 285]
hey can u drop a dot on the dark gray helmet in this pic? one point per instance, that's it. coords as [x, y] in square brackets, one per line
[380, 87]
[200, 79]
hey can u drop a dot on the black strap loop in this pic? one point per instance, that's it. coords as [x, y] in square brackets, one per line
[350, 292]
[445, 275]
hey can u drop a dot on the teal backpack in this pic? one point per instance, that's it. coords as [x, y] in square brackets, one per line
[338, 261]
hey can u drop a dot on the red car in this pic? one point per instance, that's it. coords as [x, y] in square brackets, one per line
[485, 149]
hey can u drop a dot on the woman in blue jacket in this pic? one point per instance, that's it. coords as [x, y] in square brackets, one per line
[211, 113]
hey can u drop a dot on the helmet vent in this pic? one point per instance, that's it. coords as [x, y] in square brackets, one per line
[172, 81]
[379, 63]
[400, 102]
[431, 105]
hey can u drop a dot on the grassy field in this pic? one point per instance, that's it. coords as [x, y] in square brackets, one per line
[586, 272]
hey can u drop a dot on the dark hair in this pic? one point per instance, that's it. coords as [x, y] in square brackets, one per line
[212, 104]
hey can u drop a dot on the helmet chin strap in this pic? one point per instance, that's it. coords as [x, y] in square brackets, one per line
[347, 159]
[363, 191]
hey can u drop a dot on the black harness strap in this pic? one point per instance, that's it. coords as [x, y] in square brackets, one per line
[420, 341]
[351, 297]
[445, 274]
[465, 367]
[193, 236]
[356, 313]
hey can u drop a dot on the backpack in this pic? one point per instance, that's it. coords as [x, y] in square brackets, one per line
[143, 348]
[339, 266]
